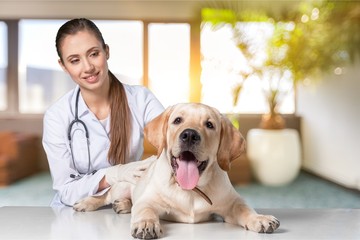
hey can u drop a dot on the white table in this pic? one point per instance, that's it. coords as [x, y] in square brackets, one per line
[64, 223]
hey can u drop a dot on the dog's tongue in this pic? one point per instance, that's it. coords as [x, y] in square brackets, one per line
[187, 174]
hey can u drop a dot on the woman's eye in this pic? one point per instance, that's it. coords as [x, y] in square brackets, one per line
[209, 125]
[177, 120]
[94, 54]
[74, 61]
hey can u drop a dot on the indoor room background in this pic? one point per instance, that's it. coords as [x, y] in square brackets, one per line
[189, 51]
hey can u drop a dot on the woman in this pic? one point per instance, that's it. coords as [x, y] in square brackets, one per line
[93, 130]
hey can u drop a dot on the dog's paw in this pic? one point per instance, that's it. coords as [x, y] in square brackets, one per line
[146, 229]
[122, 206]
[262, 224]
[85, 205]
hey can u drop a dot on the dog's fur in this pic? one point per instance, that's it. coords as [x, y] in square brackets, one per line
[200, 136]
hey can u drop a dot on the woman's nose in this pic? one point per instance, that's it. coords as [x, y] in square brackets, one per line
[88, 66]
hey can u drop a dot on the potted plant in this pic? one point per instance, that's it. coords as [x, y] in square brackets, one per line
[305, 43]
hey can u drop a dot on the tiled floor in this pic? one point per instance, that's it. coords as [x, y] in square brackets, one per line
[307, 191]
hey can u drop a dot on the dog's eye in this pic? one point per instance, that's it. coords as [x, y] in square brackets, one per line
[209, 125]
[177, 120]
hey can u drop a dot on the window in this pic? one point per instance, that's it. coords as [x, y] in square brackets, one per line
[41, 79]
[169, 59]
[3, 66]
[125, 40]
[224, 66]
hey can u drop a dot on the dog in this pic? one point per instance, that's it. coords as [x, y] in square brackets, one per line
[187, 181]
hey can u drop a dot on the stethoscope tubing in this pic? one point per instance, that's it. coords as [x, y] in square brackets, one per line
[77, 120]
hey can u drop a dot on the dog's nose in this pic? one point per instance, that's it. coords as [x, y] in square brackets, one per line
[190, 136]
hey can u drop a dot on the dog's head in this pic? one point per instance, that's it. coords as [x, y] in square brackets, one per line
[194, 136]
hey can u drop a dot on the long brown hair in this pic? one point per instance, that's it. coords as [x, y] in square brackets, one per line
[120, 121]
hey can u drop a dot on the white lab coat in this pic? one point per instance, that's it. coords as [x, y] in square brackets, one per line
[143, 106]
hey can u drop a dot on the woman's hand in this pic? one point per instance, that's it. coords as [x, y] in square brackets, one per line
[103, 184]
[130, 172]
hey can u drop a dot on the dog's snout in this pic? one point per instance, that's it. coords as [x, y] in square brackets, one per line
[190, 136]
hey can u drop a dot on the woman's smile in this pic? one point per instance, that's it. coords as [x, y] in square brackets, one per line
[92, 78]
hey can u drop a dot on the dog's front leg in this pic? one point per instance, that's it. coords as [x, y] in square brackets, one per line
[245, 216]
[91, 203]
[145, 222]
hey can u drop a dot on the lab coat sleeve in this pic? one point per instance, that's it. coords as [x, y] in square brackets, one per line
[55, 144]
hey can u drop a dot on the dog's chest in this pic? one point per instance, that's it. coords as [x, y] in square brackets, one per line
[188, 208]
[175, 203]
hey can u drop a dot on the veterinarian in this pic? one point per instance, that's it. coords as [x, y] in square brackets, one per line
[93, 135]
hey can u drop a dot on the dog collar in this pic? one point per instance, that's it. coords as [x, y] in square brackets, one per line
[202, 194]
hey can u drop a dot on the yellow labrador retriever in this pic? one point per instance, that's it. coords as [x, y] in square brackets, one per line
[188, 180]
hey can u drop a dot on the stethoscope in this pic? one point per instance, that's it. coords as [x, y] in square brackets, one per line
[77, 120]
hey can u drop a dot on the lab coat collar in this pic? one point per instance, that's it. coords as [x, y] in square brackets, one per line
[82, 107]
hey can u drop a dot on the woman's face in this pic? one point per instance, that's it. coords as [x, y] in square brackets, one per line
[85, 60]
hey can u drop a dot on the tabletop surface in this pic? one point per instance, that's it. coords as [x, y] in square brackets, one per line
[64, 223]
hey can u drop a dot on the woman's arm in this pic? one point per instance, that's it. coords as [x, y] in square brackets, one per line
[56, 146]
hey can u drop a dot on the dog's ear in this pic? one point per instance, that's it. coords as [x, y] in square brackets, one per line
[155, 130]
[232, 144]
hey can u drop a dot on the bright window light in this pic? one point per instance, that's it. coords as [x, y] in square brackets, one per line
[224, 66]
[169, 57]
[3, 65]
[41, 79]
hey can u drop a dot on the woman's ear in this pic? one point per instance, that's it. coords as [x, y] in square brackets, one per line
[107, 51]
[62, 65]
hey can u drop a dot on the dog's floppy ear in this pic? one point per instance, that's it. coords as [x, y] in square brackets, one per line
[155, 130]
[232, 144]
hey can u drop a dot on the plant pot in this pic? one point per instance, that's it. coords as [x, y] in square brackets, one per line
[272, 121]
[275, 155]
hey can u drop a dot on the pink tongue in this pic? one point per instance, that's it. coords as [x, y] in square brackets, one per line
[187, 175]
